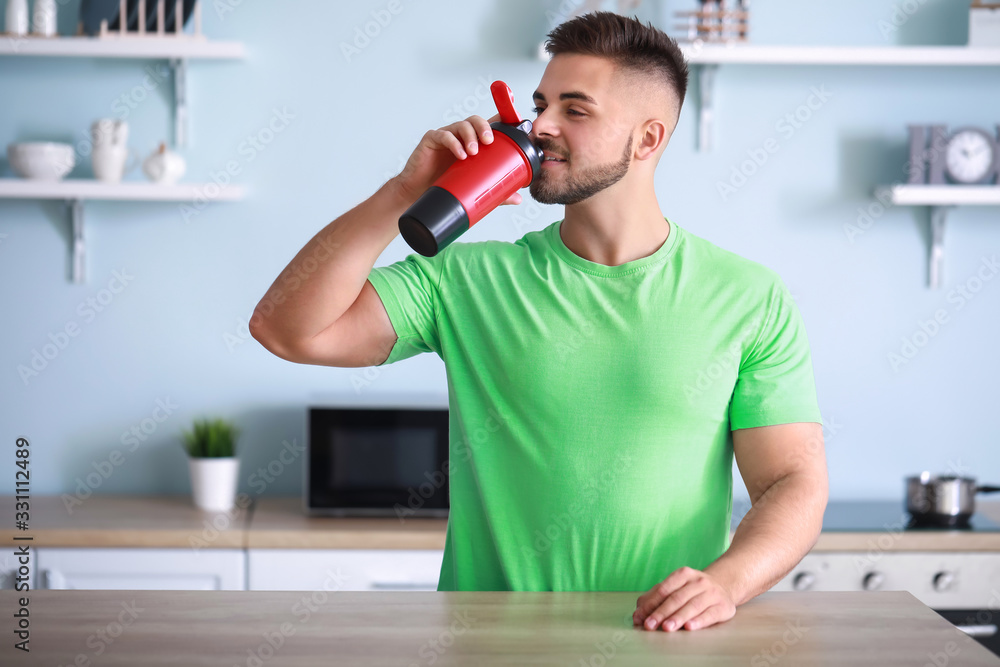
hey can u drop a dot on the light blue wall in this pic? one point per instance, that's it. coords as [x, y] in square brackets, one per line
[169, 334]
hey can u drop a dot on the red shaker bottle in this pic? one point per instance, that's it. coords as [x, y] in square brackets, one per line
[473, 187]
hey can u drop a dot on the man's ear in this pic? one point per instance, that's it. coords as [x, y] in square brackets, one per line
[654, 137]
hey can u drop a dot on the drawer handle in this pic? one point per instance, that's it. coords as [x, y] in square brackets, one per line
[390, 585]
[978, 630]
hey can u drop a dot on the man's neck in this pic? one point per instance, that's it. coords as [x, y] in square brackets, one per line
[614, 236]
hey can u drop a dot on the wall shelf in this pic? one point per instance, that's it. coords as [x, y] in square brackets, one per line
[939, 199]
[150, 46]
[176, 50]
[75, 191]
[757, 54]
[704, 59]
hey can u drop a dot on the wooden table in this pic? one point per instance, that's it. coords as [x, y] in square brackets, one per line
[272, 628]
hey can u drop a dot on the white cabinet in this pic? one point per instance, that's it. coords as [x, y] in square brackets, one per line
[141, 569]
[344, 569]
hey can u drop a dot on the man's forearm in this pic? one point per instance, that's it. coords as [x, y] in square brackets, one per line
[327, 275]
[780, 528]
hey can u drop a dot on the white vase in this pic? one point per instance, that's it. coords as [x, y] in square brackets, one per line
[17, 17]
[43, 18]
[213, 482]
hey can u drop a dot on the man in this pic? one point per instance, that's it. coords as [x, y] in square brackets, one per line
[602, 371]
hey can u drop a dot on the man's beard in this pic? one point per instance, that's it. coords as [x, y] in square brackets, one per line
[583, 185]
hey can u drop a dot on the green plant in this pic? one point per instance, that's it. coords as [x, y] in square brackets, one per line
[211, 438]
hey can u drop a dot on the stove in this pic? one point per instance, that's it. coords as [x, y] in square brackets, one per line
[954, 570]
[878, 516]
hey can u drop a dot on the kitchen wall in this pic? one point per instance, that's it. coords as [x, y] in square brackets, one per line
[331, 124]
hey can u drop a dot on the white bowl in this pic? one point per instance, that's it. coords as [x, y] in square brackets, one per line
[41, 160]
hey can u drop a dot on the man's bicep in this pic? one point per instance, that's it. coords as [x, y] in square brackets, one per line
[363, 336]
[766, 454]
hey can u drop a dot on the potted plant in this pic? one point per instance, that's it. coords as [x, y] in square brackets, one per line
[211, 449]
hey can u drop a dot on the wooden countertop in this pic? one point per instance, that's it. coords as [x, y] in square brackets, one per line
[125, 521]
[475, 628]
[279, 522]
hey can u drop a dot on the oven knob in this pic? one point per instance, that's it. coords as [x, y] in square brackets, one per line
[803, 581]
[873, 581]
[943, 581]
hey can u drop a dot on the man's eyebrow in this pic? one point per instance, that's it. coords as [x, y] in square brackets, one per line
[572, 95]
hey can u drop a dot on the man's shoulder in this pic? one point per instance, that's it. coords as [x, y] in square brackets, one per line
[726, 265]
[466, 252]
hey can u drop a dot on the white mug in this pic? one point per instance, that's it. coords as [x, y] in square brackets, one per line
[112, 162]
[109, 132]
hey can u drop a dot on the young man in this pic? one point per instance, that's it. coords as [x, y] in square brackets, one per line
[602, 371]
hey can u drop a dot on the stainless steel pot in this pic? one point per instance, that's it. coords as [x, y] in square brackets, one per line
[943, 500]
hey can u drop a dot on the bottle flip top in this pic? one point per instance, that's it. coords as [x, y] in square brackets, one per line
[471, 188]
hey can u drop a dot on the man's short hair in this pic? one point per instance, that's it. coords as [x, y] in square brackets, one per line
[643, 51]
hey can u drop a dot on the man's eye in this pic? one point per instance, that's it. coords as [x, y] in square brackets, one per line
[538, 110]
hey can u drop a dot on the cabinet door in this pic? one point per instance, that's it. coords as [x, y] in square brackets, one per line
[142, 569]
[344, 569]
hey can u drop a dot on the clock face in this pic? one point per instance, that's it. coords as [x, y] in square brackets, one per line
[969, 156]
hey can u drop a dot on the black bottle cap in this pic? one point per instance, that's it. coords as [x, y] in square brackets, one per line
[433, 221]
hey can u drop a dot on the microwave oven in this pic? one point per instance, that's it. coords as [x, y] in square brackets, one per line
[377, 462]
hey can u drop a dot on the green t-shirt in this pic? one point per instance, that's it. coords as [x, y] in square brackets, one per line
[591, 406]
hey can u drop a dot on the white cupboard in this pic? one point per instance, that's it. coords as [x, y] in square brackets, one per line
[344, 569]
[140, 569]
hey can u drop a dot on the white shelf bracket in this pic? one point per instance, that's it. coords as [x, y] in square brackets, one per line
[936, 263]
[78, 248]
[178, 68]
[706, 89]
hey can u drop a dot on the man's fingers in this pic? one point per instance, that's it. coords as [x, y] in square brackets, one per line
[658, 593]
[672, 616]
[712, 615]
[670, 604]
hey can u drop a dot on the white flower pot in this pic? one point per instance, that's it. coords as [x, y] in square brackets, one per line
[213, 482]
